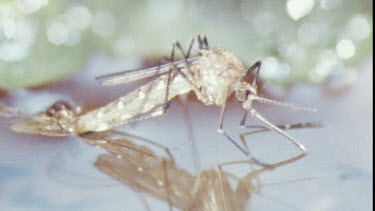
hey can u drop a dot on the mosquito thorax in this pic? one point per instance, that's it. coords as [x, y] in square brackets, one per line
[216, 74]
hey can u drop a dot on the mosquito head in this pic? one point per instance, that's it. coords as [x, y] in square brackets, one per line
[244, 89]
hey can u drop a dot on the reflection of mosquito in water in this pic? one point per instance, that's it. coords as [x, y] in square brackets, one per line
[142, 170]
[213, 75]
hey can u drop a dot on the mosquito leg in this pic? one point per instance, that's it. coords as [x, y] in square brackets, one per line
[190, 47]
[177, 70]
[166, 101]
[142, 198]
[255, 172]
[284, 127]
[166, 149]
[274, 128]
[221, 186]
[174, 67]
[221, 131]
[205, 43]
[288, 126]
[178, 46]
[166, 181]
[165, 105]
[191, 136]
[243, 121]
[200, 41]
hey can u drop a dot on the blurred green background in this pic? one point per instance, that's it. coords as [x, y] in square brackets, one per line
[314, 41]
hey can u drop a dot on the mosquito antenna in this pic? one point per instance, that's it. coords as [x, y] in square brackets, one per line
[274, 128]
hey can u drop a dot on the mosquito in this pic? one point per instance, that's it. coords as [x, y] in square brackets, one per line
[213, 75]
[158, 177]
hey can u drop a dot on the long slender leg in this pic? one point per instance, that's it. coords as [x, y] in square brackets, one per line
[166, 101]
[243, 121]
[272, 127]
[245, 183]
[166, 182]
[142, 198]
[191, 136]
[165, 105]
[288, 126]
[177, 70]
[185, 57]
[257, 171]
[221, 131]
[205, 43]
[261, 128]
[202, 44]
[174, 68]
[178, 46]
[221, 177]
[190, 47]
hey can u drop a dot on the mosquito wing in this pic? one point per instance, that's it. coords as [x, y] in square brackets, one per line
[138, 74]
